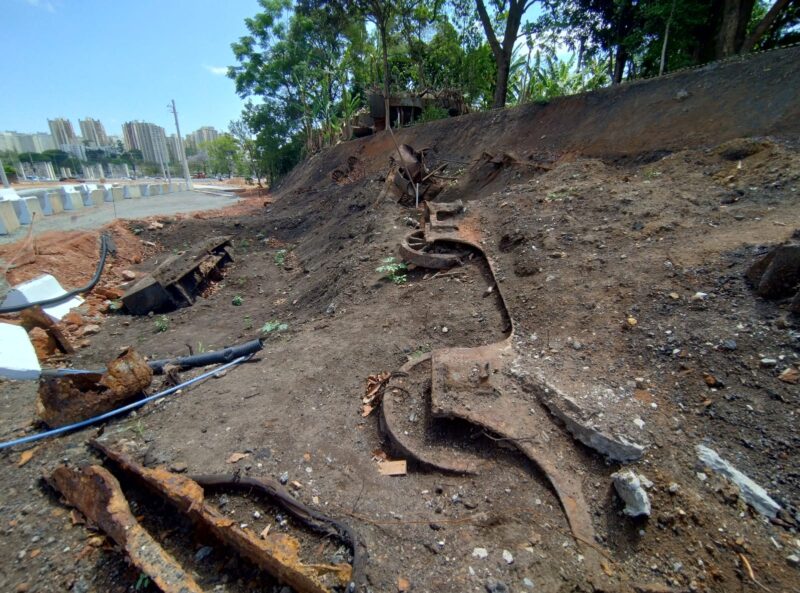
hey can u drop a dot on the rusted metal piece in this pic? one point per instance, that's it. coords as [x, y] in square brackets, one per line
[176, 282]
[71, 398]
[471, 384]
[97, 494]
[413, 250]
[278, 554]
[408, 445]
[35, 317]
[309, 517]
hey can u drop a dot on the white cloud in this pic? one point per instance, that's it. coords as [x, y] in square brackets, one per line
[48, 6]
[217, 70]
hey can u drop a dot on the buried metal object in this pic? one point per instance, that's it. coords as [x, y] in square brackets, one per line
[277, 553]
[71, 398]
[97, 494]
[176, 282]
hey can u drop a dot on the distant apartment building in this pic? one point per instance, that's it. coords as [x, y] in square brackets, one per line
[62, 132]
[201, 135]
[149, 138]
[16, 142]
[93, 132]
[174, 148]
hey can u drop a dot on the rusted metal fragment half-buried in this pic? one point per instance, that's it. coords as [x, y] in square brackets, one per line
[97, 494]
[66, 399]
[278, 554]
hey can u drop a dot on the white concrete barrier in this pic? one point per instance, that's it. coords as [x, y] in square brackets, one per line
[164, 188]
[50, 202]
[8, 218]
[97, 196]
[72, 200]
[18, 359]
[115, 194]
[41, 288]
[27, 209]
[132, 191]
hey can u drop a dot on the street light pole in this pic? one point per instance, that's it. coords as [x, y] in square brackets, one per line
[188, 177]
[3, 175]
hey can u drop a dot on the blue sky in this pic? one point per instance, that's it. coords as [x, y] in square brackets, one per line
[119, 60]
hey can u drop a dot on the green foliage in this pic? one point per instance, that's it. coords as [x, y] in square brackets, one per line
[393, 270]
[280, 257]
[432, 113]
[142, 582]
[162, 324]
[274, 326]
[248, 322]
[224, 155]
[237, 301]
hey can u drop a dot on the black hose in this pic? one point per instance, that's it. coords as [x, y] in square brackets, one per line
[207, 358]
[104, 249]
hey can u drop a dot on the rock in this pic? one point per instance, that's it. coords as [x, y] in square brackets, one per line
[178, 467]
[790, 375]
[495, 586]
[73, 317]
[203, 553]
[128, 275]
[528, 583]
[777, 274]
[508, 557]
[699, 296]
[331, 310]
[750, 492]
[630, 490]
[90, 329]
[43, 343]
[729, 345]
[673, 488]
[480, 553]
[768, 363]
[284, 479]
[793, 560]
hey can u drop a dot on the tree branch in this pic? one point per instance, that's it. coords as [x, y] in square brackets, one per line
[764, 25]
[488, 29]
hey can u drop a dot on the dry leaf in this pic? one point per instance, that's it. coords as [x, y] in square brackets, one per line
[366, 410]
[307, 456]
[790, 375]
[26, 456]
[265, 531]
[237, 457]
[393, 468]
[403, 584]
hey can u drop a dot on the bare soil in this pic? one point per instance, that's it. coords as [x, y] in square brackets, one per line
[580, 243]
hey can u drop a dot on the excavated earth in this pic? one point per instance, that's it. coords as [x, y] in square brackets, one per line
[619, 225]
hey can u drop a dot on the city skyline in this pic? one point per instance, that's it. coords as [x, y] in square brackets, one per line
[169, 51]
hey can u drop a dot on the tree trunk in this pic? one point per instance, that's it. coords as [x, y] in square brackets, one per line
[763, 26]
[620, 60]
[733, 26]
[666, 40]
[382, 29]
[502, 54]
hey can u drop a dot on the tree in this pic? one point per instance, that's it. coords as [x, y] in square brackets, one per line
[508, 17]
[252, 152]
[224, 155]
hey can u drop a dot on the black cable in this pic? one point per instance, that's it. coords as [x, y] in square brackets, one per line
[104, 249]
[207, 358]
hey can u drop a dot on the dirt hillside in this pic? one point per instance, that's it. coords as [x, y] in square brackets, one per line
[604, 242]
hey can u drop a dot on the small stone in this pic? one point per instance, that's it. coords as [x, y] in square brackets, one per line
[699, 296]
[793, 560]
[203, 553]
[284, 479]
[480, 553]
[445, 330]
[790, 375]
[178, 467]
[128, 275]
[768, 363]
[674, 296]
[673, 488]
[508, 557]
[729, 345]
[630, 488]
[528, 583]
[90, 329]
[331, 309]
[638, 422]
[701, 476]
[495, 586]
[256, 515]
[576, 345]
[22, 588]
[631, 321]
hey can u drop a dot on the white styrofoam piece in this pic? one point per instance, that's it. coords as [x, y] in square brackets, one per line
[17, 356]
[39, 289]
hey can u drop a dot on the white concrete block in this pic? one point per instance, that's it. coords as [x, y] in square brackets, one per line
[8, 193]
[164, 188]
[96, 196]
[132, 191]
[27, 209]
[39, 289]
[114, 194]
[72, 200]
[8, 218]
[17, 356]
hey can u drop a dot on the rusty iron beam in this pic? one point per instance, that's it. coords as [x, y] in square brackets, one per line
[278, 554]
[97, 494]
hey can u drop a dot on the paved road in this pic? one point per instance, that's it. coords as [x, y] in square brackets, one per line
[96, 216]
